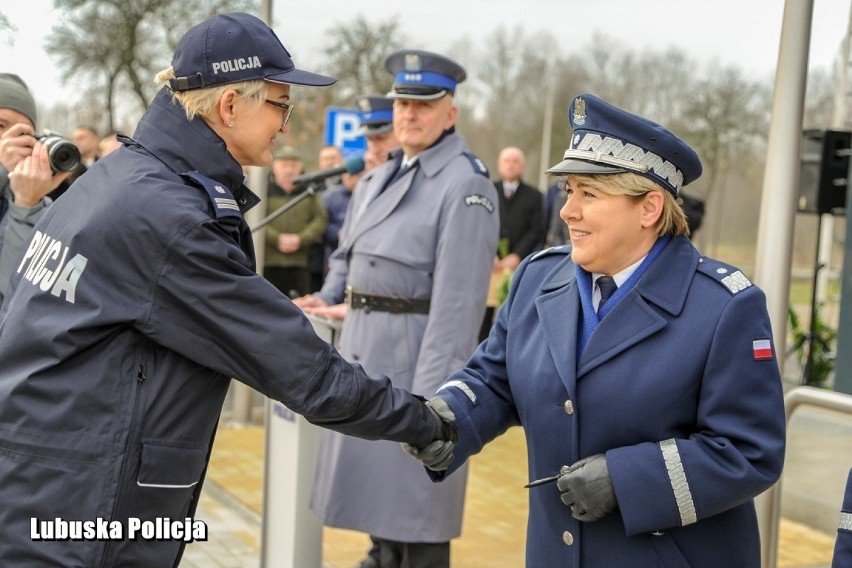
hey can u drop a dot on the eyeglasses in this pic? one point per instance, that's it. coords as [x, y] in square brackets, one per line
[286, 107]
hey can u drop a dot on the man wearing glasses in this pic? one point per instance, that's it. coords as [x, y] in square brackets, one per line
[416, 256]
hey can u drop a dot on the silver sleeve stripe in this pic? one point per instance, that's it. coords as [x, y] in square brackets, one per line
[461, 386]
[845, 523]
[677, 478]
[226, 203]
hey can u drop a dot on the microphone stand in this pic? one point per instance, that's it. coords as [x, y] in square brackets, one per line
[310, 190]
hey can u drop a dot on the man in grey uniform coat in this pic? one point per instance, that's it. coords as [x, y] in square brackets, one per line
[416, 256]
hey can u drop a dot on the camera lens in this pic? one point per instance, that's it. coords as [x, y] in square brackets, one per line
[64, 156]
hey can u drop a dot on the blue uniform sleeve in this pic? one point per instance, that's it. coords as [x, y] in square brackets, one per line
[843, 545]
[480, 395]
[737, 450]
[334, 285]
[209, 306]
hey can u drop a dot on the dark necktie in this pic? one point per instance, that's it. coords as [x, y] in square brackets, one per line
[401, 171]
[607, 286]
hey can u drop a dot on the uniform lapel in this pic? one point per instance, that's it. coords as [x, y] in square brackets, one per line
[558, 308]
[631, 321]
[638, 314]
[383, 204]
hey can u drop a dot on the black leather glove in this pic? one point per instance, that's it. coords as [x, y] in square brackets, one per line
[587, 488]
[438, 455]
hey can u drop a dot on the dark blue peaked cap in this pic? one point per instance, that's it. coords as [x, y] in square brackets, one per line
[376, 114]
[230, 48]
[608, 140]
[422, 75]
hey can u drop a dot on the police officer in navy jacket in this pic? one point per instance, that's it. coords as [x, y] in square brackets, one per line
[136, 302]
[843, 544]
[643, 373]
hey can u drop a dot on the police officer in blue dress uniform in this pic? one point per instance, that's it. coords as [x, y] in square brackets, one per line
[377, 127]
[136, 301]
[376, 114]
[643, 373]
[416, 256]
[376, 117]
[843, 544]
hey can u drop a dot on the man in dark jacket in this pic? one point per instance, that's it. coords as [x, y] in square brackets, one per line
[521, 224]
[135, 303]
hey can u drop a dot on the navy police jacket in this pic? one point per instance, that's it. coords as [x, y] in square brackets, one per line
[677, 386]
[133, 305]
[843, 544]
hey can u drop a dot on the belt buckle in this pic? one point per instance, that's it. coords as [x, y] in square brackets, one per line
[347, 296]
[404, 305]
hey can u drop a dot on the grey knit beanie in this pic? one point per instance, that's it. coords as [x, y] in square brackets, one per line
[15, 95]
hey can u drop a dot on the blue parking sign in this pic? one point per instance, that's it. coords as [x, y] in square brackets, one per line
[341, 130]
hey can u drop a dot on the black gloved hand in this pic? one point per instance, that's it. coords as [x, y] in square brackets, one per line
[587, 488]
[438, 455]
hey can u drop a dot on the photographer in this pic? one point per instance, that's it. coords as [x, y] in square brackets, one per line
[25, 173]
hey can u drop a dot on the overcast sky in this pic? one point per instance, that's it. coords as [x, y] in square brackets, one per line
[745, 33]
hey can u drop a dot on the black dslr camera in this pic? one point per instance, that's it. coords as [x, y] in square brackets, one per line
[63, 155]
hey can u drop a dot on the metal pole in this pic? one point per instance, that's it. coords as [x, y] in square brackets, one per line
[770, 513]
[778, 200]
[546, 130]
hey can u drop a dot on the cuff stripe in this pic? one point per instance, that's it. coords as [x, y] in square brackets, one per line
[677, 478]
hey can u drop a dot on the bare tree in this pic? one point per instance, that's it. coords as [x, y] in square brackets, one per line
[356, 55]
[504, 100]
[6, 30]
[114, 47]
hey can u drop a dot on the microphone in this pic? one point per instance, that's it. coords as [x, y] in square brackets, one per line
[351, 166]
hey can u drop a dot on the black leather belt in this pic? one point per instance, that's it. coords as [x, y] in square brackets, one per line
[391, 304]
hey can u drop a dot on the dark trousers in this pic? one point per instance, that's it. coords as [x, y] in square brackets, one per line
[392, 554]
[292, 281]
[487, 323]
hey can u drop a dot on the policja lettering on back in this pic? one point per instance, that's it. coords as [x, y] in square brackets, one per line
[62, 276]
[236, 64]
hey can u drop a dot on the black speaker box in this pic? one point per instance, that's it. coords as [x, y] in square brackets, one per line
[824, 171]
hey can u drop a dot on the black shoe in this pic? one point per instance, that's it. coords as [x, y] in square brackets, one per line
[369, 562]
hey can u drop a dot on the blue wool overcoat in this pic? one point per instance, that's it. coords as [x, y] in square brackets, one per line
[674, 386]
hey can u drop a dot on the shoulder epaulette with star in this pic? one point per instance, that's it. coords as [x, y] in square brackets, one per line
[221, 199]
[728, 276]
[478, 165]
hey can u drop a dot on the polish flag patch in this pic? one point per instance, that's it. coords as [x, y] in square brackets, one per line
[762, 349]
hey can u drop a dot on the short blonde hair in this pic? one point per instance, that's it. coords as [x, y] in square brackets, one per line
[672, 221]
[202, 102]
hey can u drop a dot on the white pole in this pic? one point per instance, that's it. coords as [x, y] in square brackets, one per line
[778, 203]
[546, 130]
[839, 122]
[780, 191]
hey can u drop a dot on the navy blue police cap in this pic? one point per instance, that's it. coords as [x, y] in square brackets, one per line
[423, 75]
[376, 114]
[609, 140]
[229, 48]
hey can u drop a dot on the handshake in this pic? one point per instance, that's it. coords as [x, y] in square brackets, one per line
[438, 455]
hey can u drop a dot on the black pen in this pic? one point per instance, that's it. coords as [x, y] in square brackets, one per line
[542, 481]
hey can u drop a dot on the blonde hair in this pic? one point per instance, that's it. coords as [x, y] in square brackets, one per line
[203, 102]
[672, 220]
